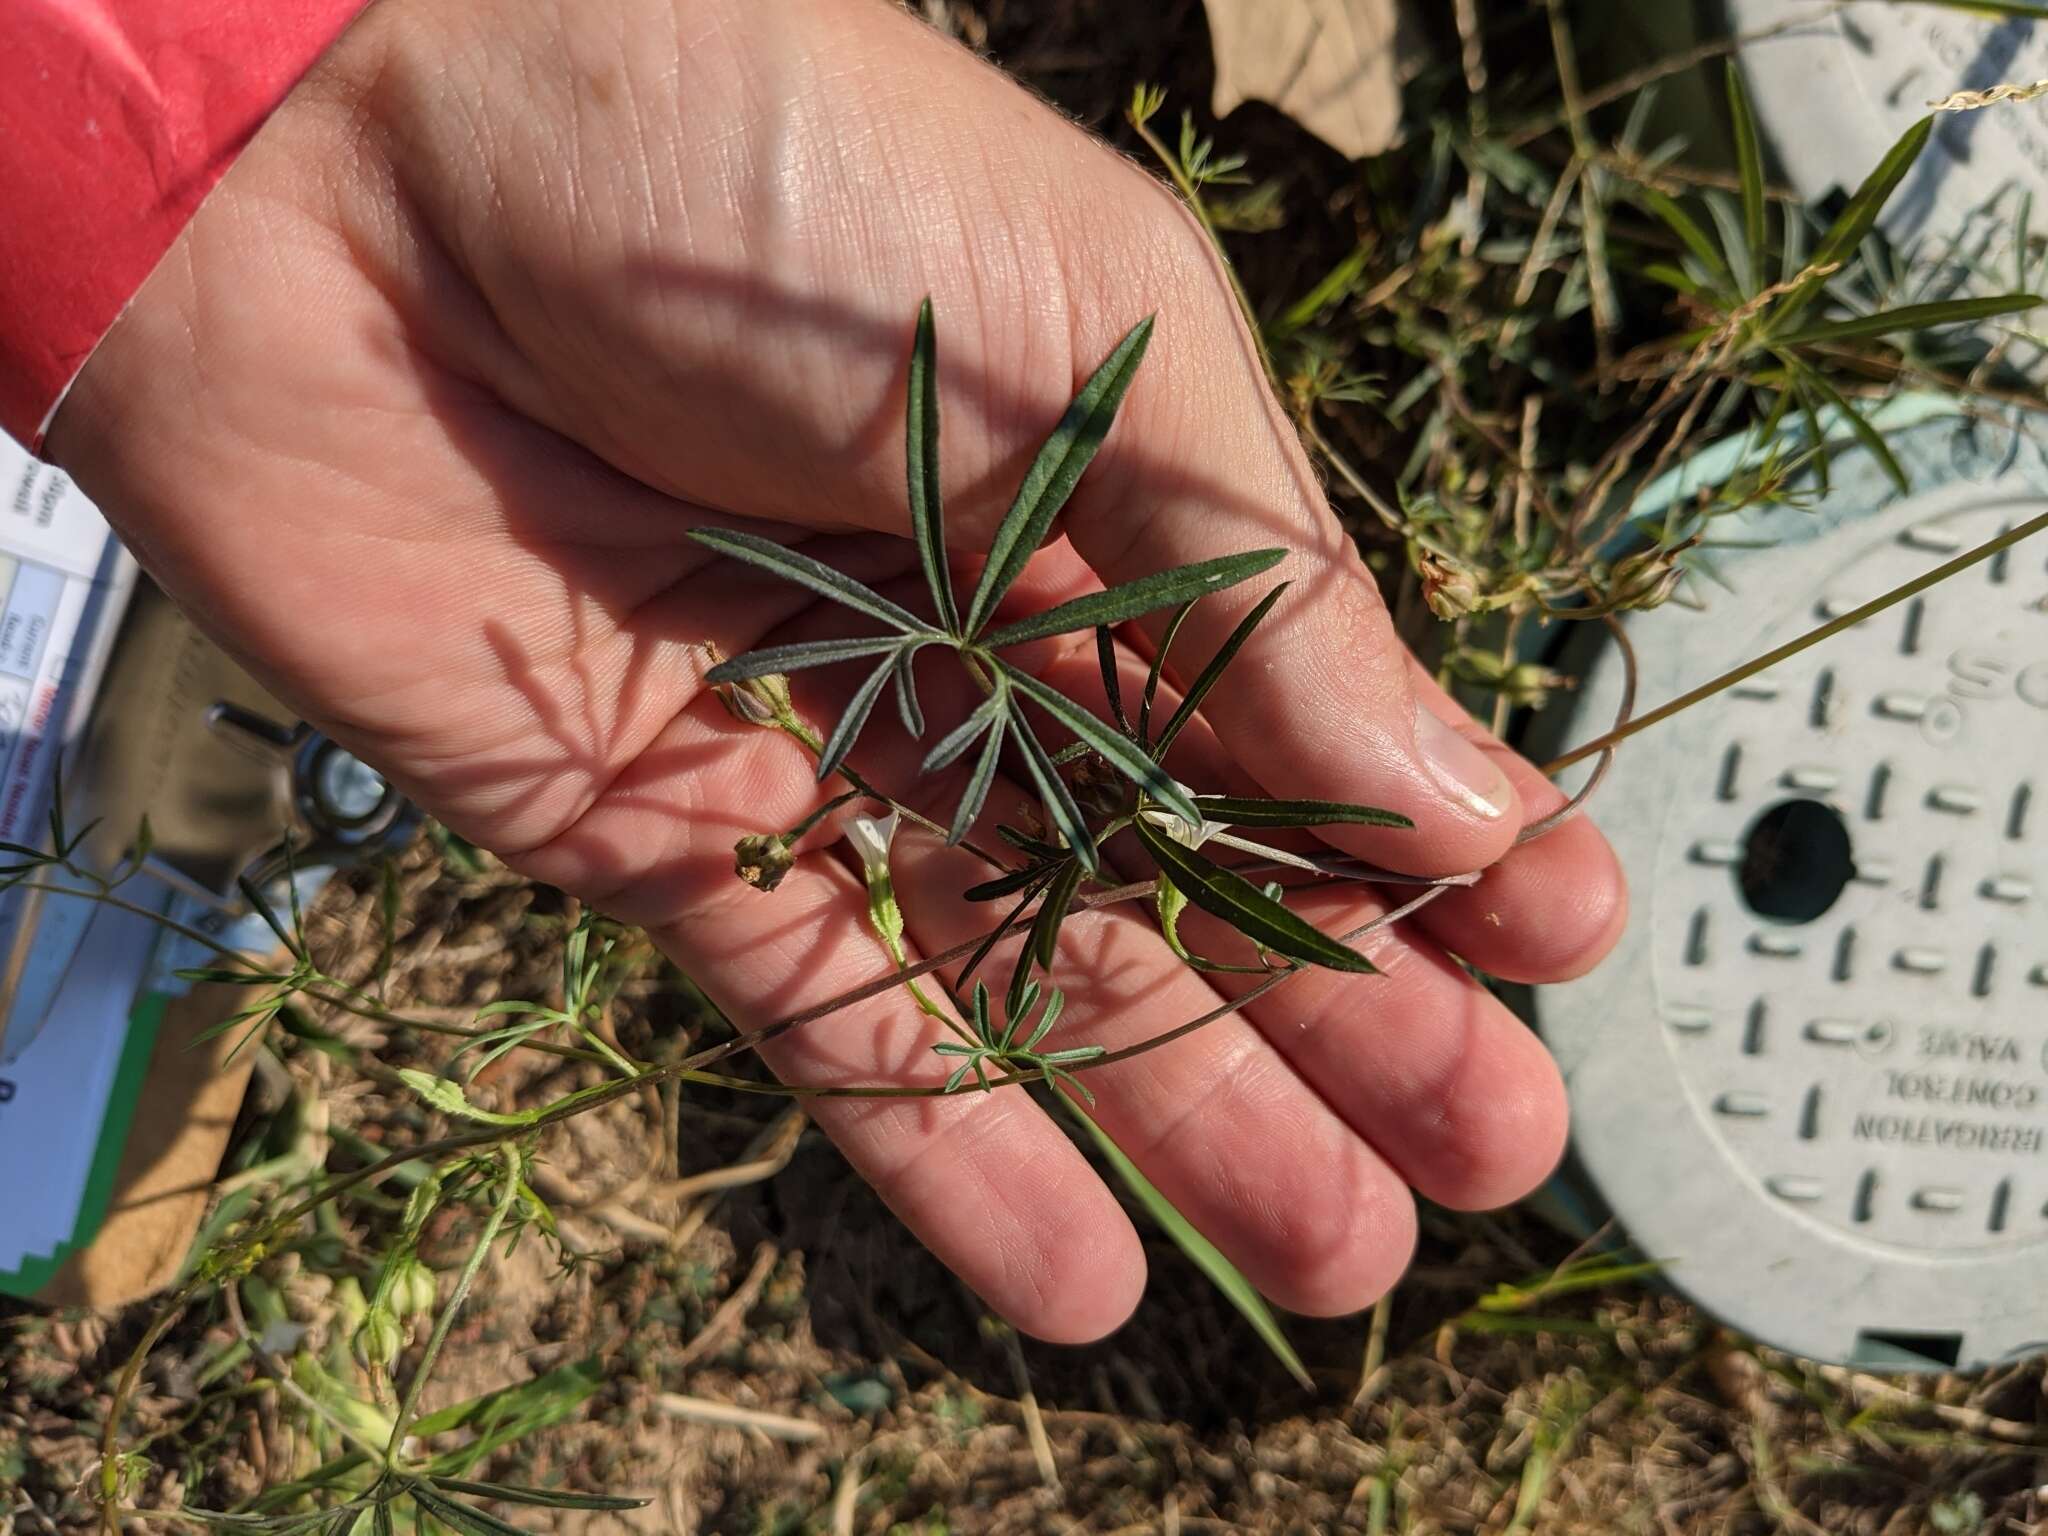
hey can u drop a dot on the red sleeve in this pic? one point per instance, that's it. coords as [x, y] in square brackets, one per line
[116, 118]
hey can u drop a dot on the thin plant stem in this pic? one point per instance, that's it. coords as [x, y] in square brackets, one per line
[1791, 648]
[509, 1157]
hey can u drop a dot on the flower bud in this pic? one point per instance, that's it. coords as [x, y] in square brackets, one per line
[413, 1290]
[379, 1339]
[1449, 588]
[762, 860]
[1647, 578]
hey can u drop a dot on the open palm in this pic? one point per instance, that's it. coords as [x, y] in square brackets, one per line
[510, 295]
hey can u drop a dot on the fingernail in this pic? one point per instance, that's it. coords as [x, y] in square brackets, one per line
[1460, 768]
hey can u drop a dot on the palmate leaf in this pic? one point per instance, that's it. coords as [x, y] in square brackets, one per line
[1118, 751]
[1213, 673]
[797, 658]
[1055, 472]
[1255, 811]
[1244, 906]
[921, 452]
[813, 574]
[1909, 317]
[1163, 589]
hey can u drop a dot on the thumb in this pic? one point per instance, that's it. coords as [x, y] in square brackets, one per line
[1320, 703]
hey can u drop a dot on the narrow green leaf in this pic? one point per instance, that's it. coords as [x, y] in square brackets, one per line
[1257, 811]
[847, 731]
[1055, 472]
[1003, 885]
[962, 736]
[1053, 792]
[795, 658]
[812, 574]
[1166, 639]
[1801, 377]
[1244, 906]
[449, 1098]
[1163, 589]
[1858, 218]
[1213, 673]
[1116, 750]
[1228, 1279]
[1043, 944]
[1866, 434]
[976, 794]
[464, 1518]
[921, 451]
[1749, 165]
[1682, 225]
[997, 934]
[1112, 682]
[546, 1498]
[1909, 317]
[906, 692]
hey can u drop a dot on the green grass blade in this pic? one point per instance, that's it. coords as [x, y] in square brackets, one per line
[1695, 239]
[1213, 673]
[819, 577]
[921, 453]
[1257, 811]
[1244, 906]
[1858, 218]
[1228, 1279]
[1749, 165]
[1866, 434]
[1115, 749]
[1055, 472]
[1164, 589]
[1909, 317]
[795, 658]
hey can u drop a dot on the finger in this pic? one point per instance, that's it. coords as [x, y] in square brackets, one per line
[1426, 1064]
[990, 1185]
[1550, 909]
[732, 306]
[1217, 1121]
[1450, 1087]
[1241, 1146]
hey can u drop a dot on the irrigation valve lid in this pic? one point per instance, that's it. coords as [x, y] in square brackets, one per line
[1814, 1077]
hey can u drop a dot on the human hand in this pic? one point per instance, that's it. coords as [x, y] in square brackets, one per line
[510, 294]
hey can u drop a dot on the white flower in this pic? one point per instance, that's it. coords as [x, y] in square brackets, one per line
[1177, 829]
[871, 838]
